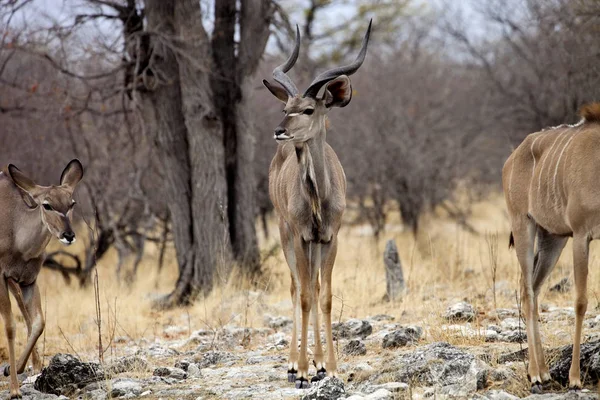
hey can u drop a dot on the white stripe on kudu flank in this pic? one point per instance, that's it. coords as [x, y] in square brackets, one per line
[532, 169]
[557, 195]
[550, 193]
[545, 158]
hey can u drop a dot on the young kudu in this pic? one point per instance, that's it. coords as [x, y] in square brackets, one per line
[307, 186]
[550, 188]
[29, 216]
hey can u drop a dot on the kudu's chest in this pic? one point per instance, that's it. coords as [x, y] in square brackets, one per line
[312, 203]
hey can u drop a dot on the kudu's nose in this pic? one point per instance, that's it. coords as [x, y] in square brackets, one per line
[69, 236]
[280, 131]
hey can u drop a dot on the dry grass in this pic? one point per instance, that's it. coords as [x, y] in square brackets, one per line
[444, 265]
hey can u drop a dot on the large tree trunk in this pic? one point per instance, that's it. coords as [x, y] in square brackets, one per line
[229, 86]
[209, 202]
[193, 107]
[187, 136]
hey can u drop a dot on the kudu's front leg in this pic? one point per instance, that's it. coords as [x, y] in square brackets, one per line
[9, 326]
[30, 304]
[306, 298]
[315, 254]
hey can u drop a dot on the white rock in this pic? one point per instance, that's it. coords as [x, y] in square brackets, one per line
[381, 394]
[193, 371]
[393, 387]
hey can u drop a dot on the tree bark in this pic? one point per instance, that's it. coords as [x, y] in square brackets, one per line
[189, 144]
[192, 105]
[230, 87]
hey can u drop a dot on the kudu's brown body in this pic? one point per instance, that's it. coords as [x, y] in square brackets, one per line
[29, 216]
[551, 188]
[307, 186]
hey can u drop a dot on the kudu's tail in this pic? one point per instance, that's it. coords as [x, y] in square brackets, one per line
[511, 241]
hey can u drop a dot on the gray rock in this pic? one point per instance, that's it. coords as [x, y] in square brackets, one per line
[97, 394]
[402, 337]
[327, 389]
[512, 324]
[158, 351]
[394, 387]
[66, 373]
[380, 394]
[503, 313]
[29, 393]
[452, 370]
[355, 348]
[460, 312]
[170, 372]
[571, 395]
[193, 371]
[215, 357]
[516, 336]
[125, 387]
[495, 395]
[183, 364]
[590, 363]
[279, 322]
[351, 329]
[126, 364]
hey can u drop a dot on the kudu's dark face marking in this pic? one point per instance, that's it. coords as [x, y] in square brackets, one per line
[55, 202]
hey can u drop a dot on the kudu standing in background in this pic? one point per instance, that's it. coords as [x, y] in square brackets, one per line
[551, 187]
[307, 186]
[29, 216]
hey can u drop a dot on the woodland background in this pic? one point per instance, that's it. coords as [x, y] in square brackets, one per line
[162, 101]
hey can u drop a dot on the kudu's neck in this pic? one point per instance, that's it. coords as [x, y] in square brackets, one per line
[311, 158]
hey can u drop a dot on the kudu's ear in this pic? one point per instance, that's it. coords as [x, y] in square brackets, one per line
[338, 92]
[278, 92]
[21, 180]
[72, 174]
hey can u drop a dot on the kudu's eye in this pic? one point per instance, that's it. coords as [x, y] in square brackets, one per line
[47, 207]
[309, 111]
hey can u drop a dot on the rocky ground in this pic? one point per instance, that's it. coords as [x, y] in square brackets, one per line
[378, 357]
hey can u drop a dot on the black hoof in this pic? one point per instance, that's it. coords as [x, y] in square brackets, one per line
[574, 388]
[302, 383]
[16, 396]
[6, 370]
[322, 373]
[292, 375]
[536, 388]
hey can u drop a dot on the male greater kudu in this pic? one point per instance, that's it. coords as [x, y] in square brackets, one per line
[307, 186]
[29, 216]
[551, 193]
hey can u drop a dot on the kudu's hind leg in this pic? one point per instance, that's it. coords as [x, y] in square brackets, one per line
[9, 326]
[329, 252]
[549, 248]
[524, 234]
[318, 348]
[580, 272]
[29, 301]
